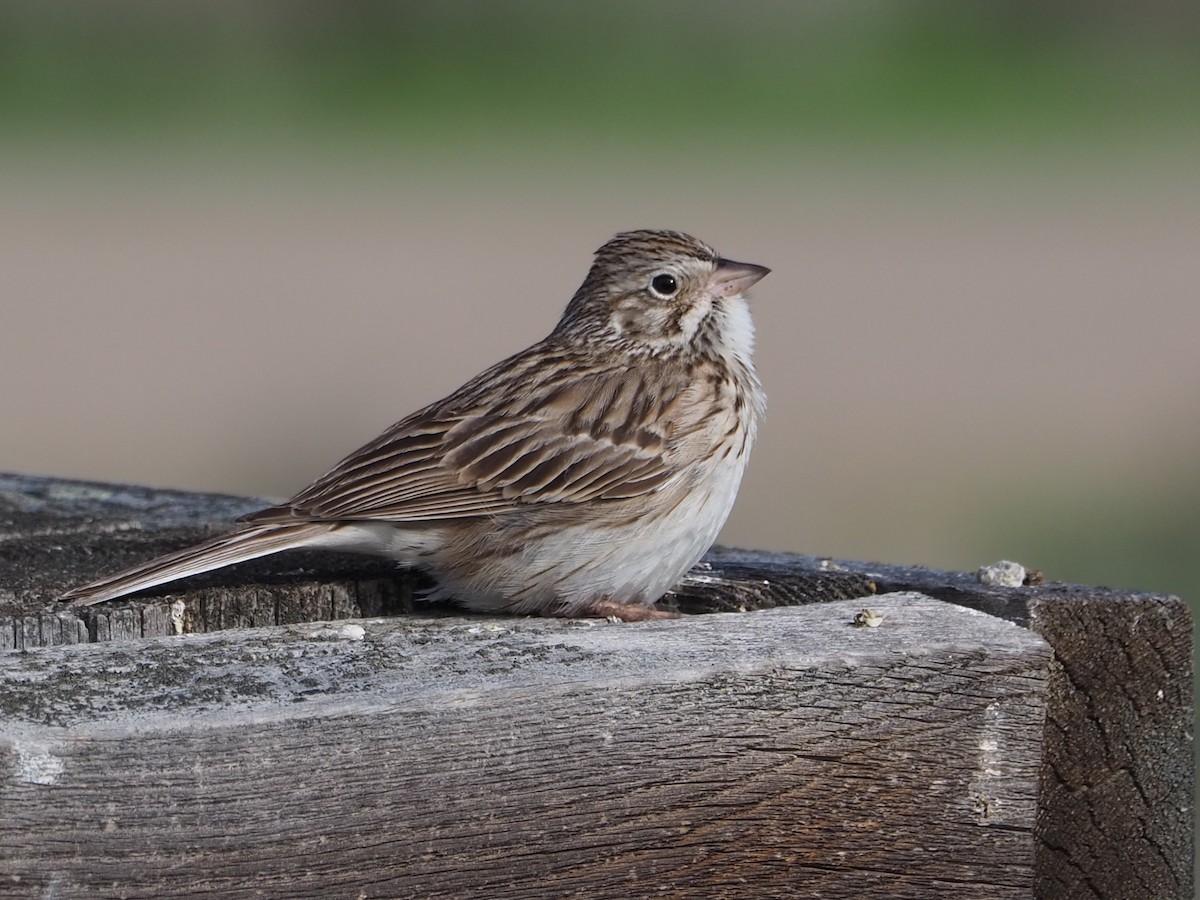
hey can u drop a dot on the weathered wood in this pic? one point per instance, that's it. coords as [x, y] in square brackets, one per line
[785, 753]
[1117, 800]
[55, 533]
[1117, 807]
[1116, 815]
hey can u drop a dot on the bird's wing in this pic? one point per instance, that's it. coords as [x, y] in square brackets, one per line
[589, 438]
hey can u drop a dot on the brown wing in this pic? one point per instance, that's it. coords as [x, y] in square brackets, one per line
[583, 437]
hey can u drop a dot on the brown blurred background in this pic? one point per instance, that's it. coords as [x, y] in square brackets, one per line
[239, 239]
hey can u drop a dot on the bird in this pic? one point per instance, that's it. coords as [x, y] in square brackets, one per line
[581, 477]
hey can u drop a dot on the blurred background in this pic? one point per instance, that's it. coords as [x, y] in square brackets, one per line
[238, 239]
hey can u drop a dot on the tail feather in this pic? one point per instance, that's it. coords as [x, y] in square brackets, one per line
[225, 550]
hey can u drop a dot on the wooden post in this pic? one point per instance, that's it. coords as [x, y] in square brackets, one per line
[979, 742]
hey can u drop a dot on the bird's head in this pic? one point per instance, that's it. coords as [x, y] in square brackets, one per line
[664, 293]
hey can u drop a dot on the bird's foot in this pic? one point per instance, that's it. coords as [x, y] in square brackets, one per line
[626, 612]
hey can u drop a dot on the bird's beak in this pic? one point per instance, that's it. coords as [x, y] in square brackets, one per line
[731, 278]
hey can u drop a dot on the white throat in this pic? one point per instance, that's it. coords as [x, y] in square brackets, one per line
[735, 332]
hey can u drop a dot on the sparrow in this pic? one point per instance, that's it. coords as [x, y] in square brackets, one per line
[580, 477]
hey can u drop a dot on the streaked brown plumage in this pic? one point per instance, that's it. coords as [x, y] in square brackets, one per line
[582, 476]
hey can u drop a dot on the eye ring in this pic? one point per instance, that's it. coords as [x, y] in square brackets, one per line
[664, 285]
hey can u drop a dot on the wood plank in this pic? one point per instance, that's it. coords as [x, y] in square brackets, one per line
[784, 753]
[1118, 784]
[1109, 827]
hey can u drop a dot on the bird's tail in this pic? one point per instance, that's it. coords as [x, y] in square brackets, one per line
[234, 547]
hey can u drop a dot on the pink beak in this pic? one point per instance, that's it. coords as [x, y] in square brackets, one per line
[731, 278]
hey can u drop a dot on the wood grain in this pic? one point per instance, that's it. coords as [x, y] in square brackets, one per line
[1116, 783]
[1117, 797]
[779, 754]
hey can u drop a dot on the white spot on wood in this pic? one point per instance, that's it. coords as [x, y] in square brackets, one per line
[992, 766]
[1002, 574]
[36, 764]
[348, 631]
[489, 628]
[176, 617]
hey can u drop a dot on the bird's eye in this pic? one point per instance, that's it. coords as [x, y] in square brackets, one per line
[664, 285]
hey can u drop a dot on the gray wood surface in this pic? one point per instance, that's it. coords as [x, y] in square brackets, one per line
[1118, 804]
[1116, 815]
[785, 753]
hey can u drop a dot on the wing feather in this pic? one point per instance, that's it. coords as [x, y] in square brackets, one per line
[592, 438]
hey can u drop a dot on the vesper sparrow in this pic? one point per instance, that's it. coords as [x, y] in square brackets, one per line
[581, 477]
